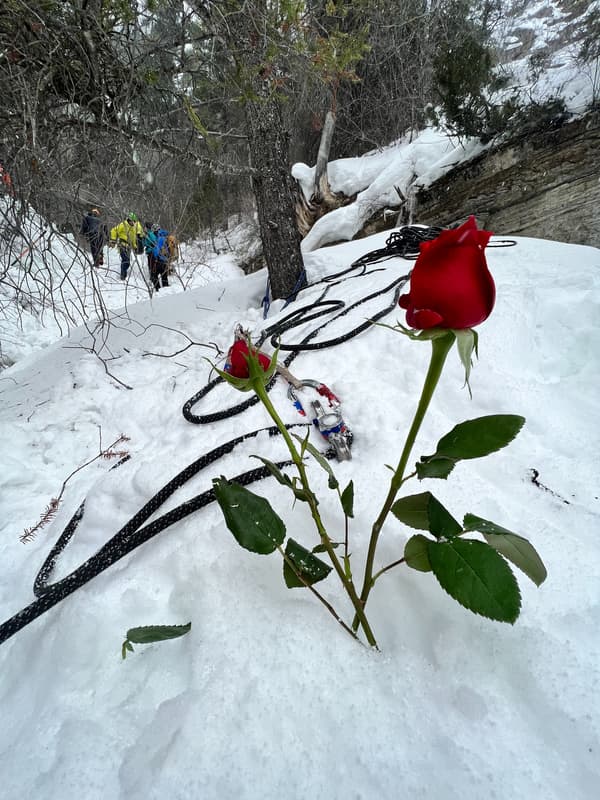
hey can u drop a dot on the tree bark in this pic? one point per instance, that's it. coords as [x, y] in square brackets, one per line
[268, 142]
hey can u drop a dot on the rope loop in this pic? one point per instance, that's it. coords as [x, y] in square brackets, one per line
[404, 243]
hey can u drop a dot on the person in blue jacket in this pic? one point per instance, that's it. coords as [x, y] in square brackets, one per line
[160, 259]
[150, 239]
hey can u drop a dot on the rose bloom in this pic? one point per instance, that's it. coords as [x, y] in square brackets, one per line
[450, 285]
[237, 359]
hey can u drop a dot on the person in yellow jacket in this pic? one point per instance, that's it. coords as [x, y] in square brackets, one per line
[127, 236]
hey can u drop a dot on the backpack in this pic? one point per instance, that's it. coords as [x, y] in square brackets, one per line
[161, 250]
[173, 248]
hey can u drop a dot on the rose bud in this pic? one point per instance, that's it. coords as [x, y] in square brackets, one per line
[237, 359]
[450, 285]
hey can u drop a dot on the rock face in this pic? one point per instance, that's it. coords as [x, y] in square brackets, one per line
[545, 185]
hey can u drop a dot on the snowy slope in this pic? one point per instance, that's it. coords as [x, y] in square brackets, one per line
[267, 697]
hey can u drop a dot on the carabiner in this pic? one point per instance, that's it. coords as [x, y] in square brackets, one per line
[330, 422]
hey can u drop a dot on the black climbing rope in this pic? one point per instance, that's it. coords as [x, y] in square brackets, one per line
[404, 243]
[132, 535]
[296, 318]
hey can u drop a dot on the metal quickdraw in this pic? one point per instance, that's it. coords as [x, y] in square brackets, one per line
[329, 421]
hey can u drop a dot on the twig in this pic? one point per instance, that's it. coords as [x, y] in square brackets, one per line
[37, 405]
[191, 343]
[318, 595]
[389, 566]
[52, 507]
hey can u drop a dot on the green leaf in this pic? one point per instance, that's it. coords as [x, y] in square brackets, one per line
[347, 567]
[279, 476]
[320, 548]
[304, 440]
[319, 458]
[301, 495]
[249, 517]
[416, 554]
[242, 384]
[413, 510]
[347, 499]
[309, 566]
[418, 336]
[434, 467]
[255, 370]
[441, 521]
[480, 437]
[156, 633]
[465, 342]
[423, 512]
[515, 548]
[477, 577]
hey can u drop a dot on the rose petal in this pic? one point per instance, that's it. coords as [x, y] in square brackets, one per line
[425, 318]
[238, 359]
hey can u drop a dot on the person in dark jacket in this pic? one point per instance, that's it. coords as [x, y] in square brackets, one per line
[95, 232]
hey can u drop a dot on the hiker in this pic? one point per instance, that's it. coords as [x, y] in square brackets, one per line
[161, 258]
[127, 236]
[94, 231]
[150, 241]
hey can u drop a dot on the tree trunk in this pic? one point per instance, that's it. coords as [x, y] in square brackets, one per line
[273, 189]
[322, 188]
[268, 142]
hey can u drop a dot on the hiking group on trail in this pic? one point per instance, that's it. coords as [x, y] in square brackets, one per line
[160, 246]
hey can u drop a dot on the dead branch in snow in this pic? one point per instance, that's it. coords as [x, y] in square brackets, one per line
[50, 511]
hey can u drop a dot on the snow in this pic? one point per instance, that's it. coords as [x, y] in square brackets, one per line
[556, 34]
[41, 262]
[375, 179]
[267, 697]
[421, 158]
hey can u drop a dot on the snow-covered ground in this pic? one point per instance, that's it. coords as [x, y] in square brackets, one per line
[267, 697]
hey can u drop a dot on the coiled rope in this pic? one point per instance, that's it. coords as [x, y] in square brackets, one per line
[298, 317]
[135, 533]
[131, 535]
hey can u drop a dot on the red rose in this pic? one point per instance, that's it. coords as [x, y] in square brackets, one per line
[237, 358]
[450, 285]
